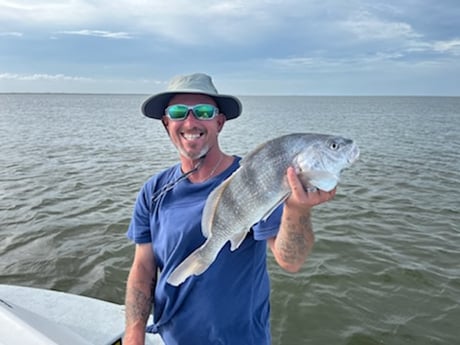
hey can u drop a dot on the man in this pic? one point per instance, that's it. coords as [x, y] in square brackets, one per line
[229, 302]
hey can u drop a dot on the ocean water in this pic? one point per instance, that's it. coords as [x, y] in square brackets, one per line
[385, 268]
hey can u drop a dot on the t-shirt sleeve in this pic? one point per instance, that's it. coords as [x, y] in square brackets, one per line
[268, 228]
[139, 227]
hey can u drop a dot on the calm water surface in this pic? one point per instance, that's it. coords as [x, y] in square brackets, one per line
[385, 267]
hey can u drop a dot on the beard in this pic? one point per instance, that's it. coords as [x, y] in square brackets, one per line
[193, 154]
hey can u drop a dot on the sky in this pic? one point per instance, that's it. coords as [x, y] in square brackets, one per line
[252, 47]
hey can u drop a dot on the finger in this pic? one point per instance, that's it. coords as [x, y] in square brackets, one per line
[294, 183]
[326, 196]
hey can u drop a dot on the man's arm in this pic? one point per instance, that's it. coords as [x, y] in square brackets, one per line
[295, 238]
[139, 294]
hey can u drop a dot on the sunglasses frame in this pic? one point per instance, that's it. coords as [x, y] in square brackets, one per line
[192, 108]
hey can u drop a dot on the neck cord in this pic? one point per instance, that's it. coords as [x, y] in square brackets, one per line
[167, 187]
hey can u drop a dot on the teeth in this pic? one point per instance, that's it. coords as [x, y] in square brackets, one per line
[192, 136]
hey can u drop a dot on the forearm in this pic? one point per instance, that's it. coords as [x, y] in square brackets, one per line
[138, 303]
[294, 240]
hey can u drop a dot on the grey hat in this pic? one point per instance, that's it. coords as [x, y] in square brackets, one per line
[199, 83]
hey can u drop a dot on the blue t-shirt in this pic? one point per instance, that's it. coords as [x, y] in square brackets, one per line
[229, 302]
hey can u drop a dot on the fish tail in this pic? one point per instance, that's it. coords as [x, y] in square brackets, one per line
[192, 265]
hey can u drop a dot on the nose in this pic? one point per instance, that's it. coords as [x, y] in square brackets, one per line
[190, 117]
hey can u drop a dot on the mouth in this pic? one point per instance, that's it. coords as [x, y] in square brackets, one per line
[354, 155]
[192, 136]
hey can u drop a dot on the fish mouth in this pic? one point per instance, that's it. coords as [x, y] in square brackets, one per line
[354, 155]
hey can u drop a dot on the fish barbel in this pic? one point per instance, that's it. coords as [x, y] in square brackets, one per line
[259, 186]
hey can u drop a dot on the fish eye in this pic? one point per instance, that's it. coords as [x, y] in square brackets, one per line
[333, 145]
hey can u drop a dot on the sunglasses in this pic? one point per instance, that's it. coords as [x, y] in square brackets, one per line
[178, 112]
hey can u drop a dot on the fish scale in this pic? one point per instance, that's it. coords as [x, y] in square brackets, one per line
[253, 191]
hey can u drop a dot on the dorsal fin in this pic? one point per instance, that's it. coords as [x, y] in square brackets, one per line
[255, 152]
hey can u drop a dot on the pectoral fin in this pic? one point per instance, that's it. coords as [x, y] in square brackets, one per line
[237, 239]
[275, 206]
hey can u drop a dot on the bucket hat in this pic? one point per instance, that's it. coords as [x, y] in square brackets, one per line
[199, 83]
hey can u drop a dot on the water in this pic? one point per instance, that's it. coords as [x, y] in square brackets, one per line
[385, 267]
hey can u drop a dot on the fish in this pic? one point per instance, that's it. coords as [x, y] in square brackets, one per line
[259, 186]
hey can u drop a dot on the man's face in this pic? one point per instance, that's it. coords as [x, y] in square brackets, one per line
[191, 136]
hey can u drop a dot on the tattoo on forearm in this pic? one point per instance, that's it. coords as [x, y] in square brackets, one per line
[138, 304]
[294, 245]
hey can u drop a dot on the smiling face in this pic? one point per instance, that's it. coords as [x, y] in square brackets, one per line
[192, 137]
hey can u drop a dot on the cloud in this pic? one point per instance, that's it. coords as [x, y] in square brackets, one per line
[450, 46]
[46, 82]
[98, 33]
[31, 12]
[12, 33]
[41, 77]
[330, 64]
[62, 77]
[175, 21]
[366, 26]
[155, 39]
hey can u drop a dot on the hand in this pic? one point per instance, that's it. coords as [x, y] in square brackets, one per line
[302, 199]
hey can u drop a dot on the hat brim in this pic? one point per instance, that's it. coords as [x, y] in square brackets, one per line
[154, 106]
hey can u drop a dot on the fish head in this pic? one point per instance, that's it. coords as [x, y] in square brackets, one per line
[320, 163]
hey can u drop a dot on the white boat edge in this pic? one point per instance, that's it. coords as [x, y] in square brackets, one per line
[47, 317]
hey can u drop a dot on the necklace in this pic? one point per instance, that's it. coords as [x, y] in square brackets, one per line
[215, 167]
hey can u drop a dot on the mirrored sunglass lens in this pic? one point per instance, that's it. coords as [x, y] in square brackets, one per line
[177, 111]
[204, 111]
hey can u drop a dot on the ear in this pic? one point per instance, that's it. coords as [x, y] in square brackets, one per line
[165, 122]
[220, 122]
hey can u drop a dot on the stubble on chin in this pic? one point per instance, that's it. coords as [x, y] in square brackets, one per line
[193, 154]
